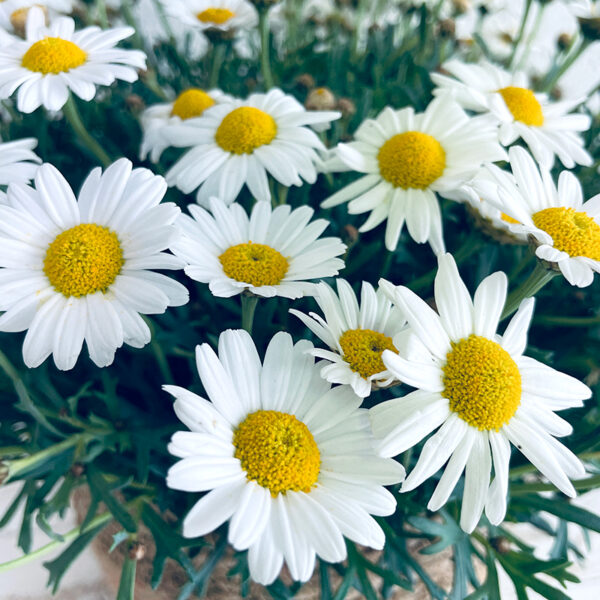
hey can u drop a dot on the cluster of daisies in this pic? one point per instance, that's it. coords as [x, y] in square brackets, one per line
[281, 446]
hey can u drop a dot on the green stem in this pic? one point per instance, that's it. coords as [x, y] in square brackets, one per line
[529, 468]
[569, 60]
[539, 277]
[72, 115]
[159, 354]
[248, 309]
[552, 320]
[265, 49]
[531, 37]
[521, 32]
[220, 51]
[521, 489]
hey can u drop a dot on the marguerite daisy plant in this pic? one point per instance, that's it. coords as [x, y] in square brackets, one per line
[357, 334]
[56, 60]
[549, 128]
[18, 162]
[481, 392]
[240, 142]
[80, 269]
[565, 229]
[287, 460]
[223, 15]
[189, 104]
[408, 158]
[274, 252]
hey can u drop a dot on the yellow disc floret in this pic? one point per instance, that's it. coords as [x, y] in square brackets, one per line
[83, 260]
[363, 348]
[482, 383]
[523, 105]
[256, 264]
[572, 232]
[53, 55]
[412, 160]
[277, 451]
[218, 16]
[191, 103]
[245, 129]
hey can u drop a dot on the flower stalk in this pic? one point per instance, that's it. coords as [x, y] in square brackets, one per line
[249, 303]
[265, 49]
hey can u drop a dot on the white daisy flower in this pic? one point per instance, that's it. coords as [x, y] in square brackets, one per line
[13, 13]
[224, 15]
[285, 458]
[566, 230]
[545, 126]
[271, 253]
[239, 142]
[18, 162]
[481, 390]
[191, 103]
[407, 158]
[53, 60]
[356, 334]
[76, 270]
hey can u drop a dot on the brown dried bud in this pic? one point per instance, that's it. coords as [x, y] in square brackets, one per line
[564, 41]
[18, 19]
[350, 235]
[447, 28]
[461, 6]
[346, 107]
[500, 544]
[135, 103]
[77, 470]
[320, 99]
[306, 81]
[137, 551]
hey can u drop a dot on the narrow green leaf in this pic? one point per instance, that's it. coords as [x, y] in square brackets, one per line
[564, 510]
[127, 583]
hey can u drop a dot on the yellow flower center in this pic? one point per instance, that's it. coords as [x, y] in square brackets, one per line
[523, 105]
[482, 383]
[508, 219]
[572, 232]
[83, 260]
[245, 129]
[362, 350]
[256, 264]
[218, 16]
[191, 103]
[53, 55]
[412, 160]
[277, 451]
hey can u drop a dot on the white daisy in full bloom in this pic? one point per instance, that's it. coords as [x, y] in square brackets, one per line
[18, 162]
[78, 269]
[271, 253]
[189, 104]
[287, 460]
[481, 390]
[54, 60]
[356, 334]
[566, 230]
[239, 142]
[224, 15]
[545, 126]
[406, 159]
[13, 13]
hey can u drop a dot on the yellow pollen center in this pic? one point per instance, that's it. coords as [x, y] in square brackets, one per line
[482, 383]
[572, 232]
[523, 105]
[256, 264]
[245, 129]
[362, 350]
[83, 260]
[277, 451]
[191, 103]
[412, 160]
[218, 16]
[53, 55]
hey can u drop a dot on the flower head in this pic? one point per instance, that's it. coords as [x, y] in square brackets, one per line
[222, 15]
[481, 392]
[76, 270]
[287, 460]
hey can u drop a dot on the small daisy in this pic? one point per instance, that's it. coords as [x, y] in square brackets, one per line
[545, 126]
[191, 103]
[287, 460]
[18, 163]
[407, 158]
[53, 60]
[239, 142]
[566, 230]
[13, 13]
[224, 15]
[76, 270]
[481, 390]
[272, 253]
[357, 335]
